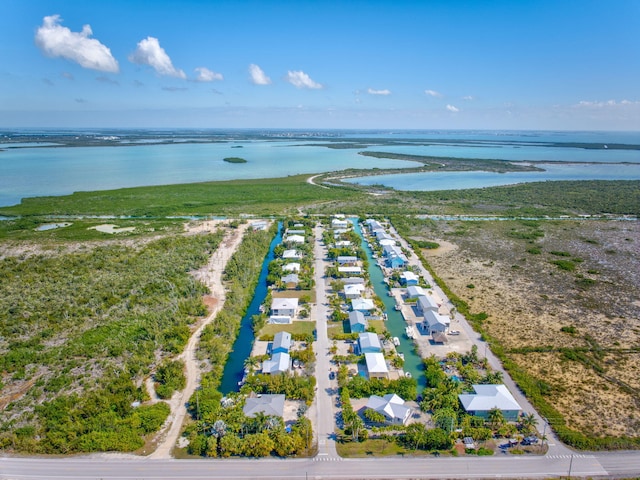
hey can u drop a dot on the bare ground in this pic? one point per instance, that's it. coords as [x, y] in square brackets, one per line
[504, 269]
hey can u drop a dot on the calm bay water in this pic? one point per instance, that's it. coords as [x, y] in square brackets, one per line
[27, 172]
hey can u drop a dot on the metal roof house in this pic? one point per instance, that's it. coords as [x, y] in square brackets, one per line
[415, 291]
[281, 342]
[364, 305]
[279, 363]
[357, 322]
[376, 365]
[353, 290]
[488, 397]
[391, 406]
[369, 343]
[434, 322]
[268, 404]
[284, 306]
[426, 303]
[409, 278]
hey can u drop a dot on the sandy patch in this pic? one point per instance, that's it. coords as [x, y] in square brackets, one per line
[111, 229]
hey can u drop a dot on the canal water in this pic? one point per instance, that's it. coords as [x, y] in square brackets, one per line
[234, 369]
[395, 322]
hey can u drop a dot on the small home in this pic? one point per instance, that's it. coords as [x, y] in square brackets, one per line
[409, 279]
[347, 260]
[350, 270]
[288, 254]
[415, 291]
[364, 305]
[294, 239]
[358, 322]
[284, 306]
[339, 223]
[352, 291]
[268, 404]
[434, 322]
[369, 342]
[391, 406]
[426, 303]
[281, 342]
[279, 363]
[291, 280]
[376, 365]
[488, 397]
[291, 267]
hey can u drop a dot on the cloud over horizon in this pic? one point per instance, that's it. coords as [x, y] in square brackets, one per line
[258, 77]
[433, 93]
[453, 108]
[57, 41]
[372, 91]
[206, 75]
[149, 52]
[299, 79]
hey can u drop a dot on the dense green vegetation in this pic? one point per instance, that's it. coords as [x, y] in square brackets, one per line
[261, 196]
[234, 160]
[80, 328]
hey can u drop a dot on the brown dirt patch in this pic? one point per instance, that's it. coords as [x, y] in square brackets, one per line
[504, 269]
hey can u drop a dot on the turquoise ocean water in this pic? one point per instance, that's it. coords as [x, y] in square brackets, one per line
[27, 171]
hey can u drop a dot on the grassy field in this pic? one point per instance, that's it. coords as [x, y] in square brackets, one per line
[295, 328]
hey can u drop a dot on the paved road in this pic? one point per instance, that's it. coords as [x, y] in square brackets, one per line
[117, 468]
[324, 425]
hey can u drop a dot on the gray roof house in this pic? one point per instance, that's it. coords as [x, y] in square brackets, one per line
[357, 322]
[279, 363]
[268, 404]
[281, 342]
[369, 343]
[434, 322]
[391, 406]
[488, 397]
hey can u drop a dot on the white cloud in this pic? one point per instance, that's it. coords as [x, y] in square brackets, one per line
[58, 41]
[299, 79]
[433, 93]
[206, 75]
[149, 52]
[608, 103]
[453, 109]
[258, 77]
[371, 91]
[468, 98]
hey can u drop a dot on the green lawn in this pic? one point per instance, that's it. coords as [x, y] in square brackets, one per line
[295, 294]
[302, 328]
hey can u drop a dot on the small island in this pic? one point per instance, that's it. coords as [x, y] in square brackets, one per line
[235, 160]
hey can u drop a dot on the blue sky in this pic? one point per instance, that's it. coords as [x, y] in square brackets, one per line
[570, 65]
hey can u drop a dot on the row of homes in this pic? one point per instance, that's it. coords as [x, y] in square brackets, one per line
[394, 257]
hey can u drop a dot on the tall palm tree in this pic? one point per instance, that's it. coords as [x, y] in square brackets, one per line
[496, 418]
[528, 422]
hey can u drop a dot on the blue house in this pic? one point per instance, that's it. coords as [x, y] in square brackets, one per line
[281, 343]
[369, 343]
[357, 322]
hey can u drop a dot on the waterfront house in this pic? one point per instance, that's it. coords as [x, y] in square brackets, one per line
[347, 260]
[281, 342]
[488, 397]
[369, 342]
[426, 303]
[409, 279]
[294, 239]
[291, 280]
[364, 305]
[352, 291]
[392, 407]
[267, 404]
[376, 365]
[434, 322]
[279, 363]
[291, 267]
[339, 223]
[415, 291]
[350, 270]
[284, 306]
[288, 254]
[357, 322]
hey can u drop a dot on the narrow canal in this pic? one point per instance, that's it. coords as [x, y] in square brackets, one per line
[234, 369]
[395, 322]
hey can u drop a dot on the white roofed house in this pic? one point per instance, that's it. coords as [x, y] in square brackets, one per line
[364, 305]
[414, 291]
[354, 290]
[284, 306]
[350, 270]
[292, 253]
[347, 260]
[376, 365]
[343, 243]
[488, 397]
[369, 342]
[291, 267]
[409, 278]
[294, 239]
[339, 223]
[391, 406]
[268, 404]
[291, 280]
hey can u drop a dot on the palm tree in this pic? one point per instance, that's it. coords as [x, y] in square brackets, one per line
[528, 422]
[496, 418]
[219, 428]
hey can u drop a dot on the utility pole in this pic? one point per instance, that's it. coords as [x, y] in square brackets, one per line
[570, 465]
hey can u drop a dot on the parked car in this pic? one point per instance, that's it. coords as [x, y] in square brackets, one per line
[332, 375]
[454, 332]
